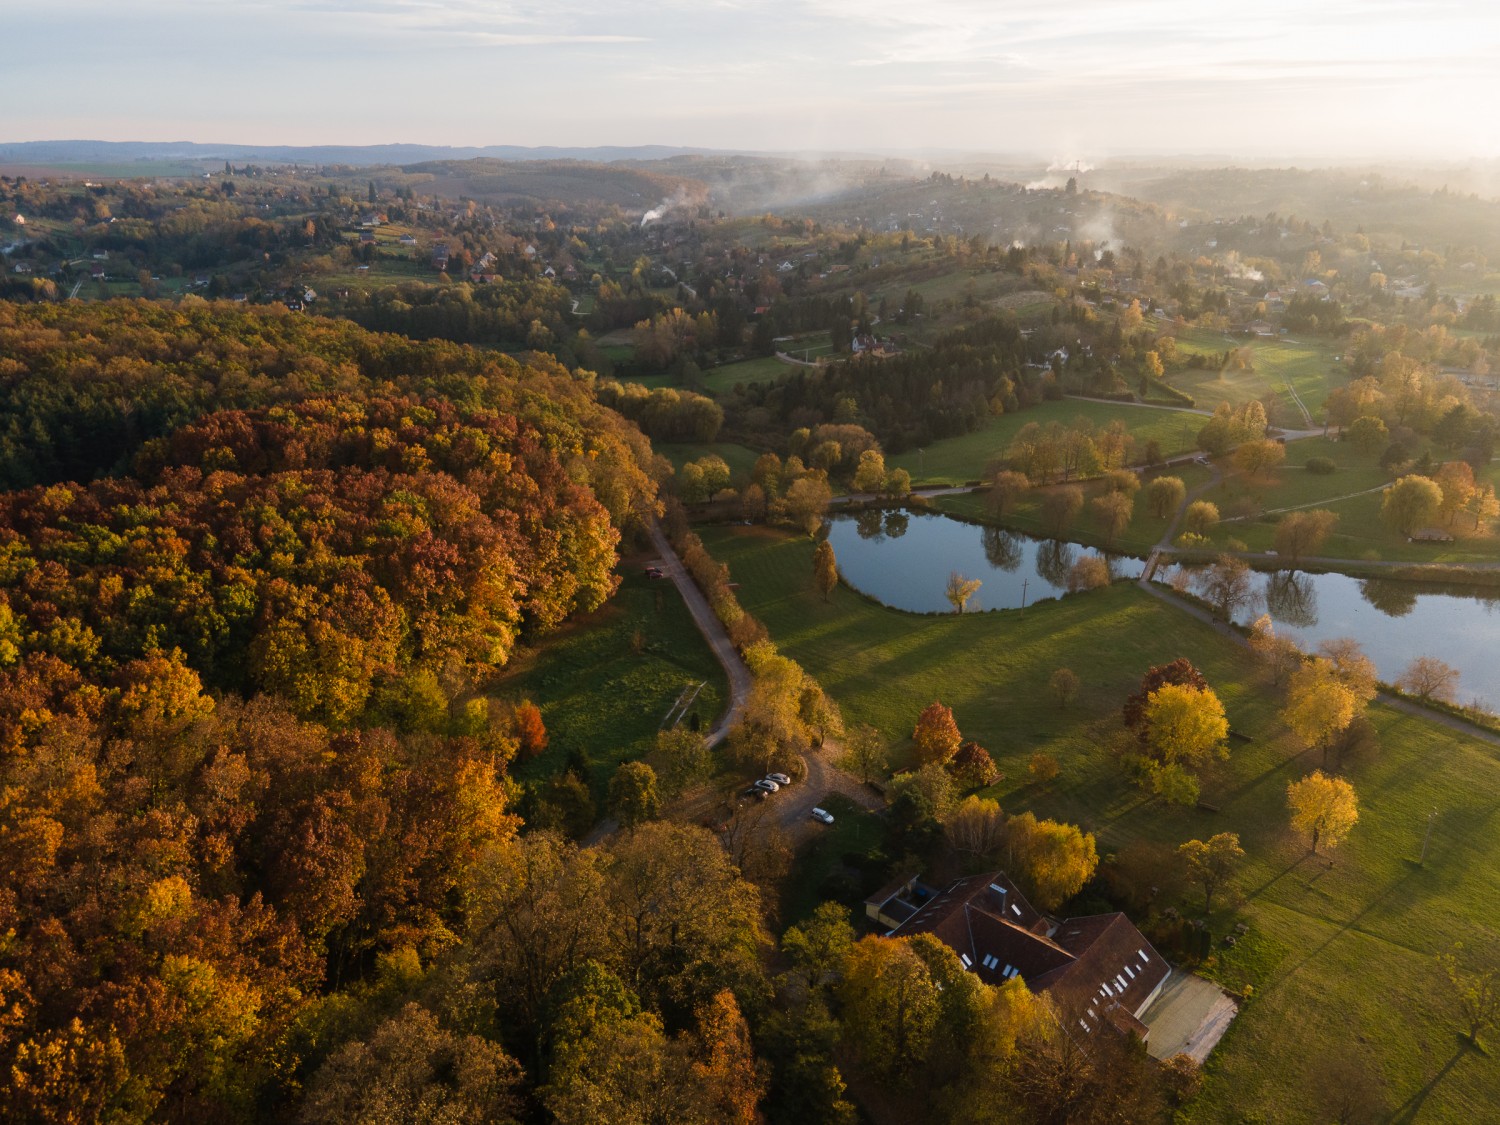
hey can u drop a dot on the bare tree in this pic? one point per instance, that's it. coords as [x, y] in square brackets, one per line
[1225, 585]
[1427, 677]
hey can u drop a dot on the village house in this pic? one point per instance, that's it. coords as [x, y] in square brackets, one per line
[1098, 970]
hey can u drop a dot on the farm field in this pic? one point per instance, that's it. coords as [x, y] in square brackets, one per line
[601, 700]
[957, 460]
[1331, 950]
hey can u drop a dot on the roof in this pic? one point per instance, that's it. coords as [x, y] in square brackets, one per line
[1095, 968]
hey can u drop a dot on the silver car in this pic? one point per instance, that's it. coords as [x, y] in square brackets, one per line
[822, 815]
[767, 784]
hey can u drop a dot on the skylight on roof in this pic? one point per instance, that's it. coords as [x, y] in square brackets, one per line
[1016, 908]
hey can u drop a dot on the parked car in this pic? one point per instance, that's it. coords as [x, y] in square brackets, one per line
[779, 778]
[822, 815]
[755, 794]
[767, 785]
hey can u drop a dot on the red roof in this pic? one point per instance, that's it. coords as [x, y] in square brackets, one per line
[1094, 968]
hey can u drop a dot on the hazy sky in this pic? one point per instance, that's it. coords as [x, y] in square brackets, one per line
[1087, 78]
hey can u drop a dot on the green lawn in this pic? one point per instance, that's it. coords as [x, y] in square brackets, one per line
[1304, 362]
[765, 369]
[602, 702]
[1360, 534]
[959, 459]
[1341, 959]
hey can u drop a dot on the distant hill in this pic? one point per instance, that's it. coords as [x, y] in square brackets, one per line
[116, 152]
[499, 181]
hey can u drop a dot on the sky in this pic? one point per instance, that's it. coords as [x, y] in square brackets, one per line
[1081, 80]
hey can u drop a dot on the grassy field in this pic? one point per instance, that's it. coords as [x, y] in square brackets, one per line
[1144, 532]
[1341, 958]
[1360, 534]
[1305, 363]
[807, 345]
[765, 369]
[739, 458]
[601, 700]
[959, 459]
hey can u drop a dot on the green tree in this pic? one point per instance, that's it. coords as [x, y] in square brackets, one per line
[633, 798]
[870, 475]
[1412, 502]
[1165, 495]
[682, 760]
[1475, 991]
[1201, 517]
[1368, 435]
[1212, 862]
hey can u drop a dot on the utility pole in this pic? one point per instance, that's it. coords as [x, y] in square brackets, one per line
[1430, 818]
[1024, 583]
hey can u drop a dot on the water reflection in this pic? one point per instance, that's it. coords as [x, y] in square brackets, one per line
[1054, 558]
[904, 560]
[1393, 621]
[1002, 548]
[1291, 598]
[1394, 599]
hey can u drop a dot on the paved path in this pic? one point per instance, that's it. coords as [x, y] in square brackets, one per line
[713, 632]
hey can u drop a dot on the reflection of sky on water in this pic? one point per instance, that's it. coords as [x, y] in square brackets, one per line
[1394, 622]
[903, 559]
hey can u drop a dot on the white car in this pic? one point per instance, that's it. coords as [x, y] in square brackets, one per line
[767, 784]
[822, 815]
[779, 778]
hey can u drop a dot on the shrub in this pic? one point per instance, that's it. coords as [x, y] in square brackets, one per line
[1322, 466]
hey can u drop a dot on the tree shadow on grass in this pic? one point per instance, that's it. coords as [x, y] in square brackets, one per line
[1374, 902]
[1274, 879]
[1413, 1105]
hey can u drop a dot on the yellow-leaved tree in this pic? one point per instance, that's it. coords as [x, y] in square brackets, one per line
[1323, 807]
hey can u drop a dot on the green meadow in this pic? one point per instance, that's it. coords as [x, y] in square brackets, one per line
[1340, 958]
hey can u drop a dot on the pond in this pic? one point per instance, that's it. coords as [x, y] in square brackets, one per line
[1394, 622]
[903, 559]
